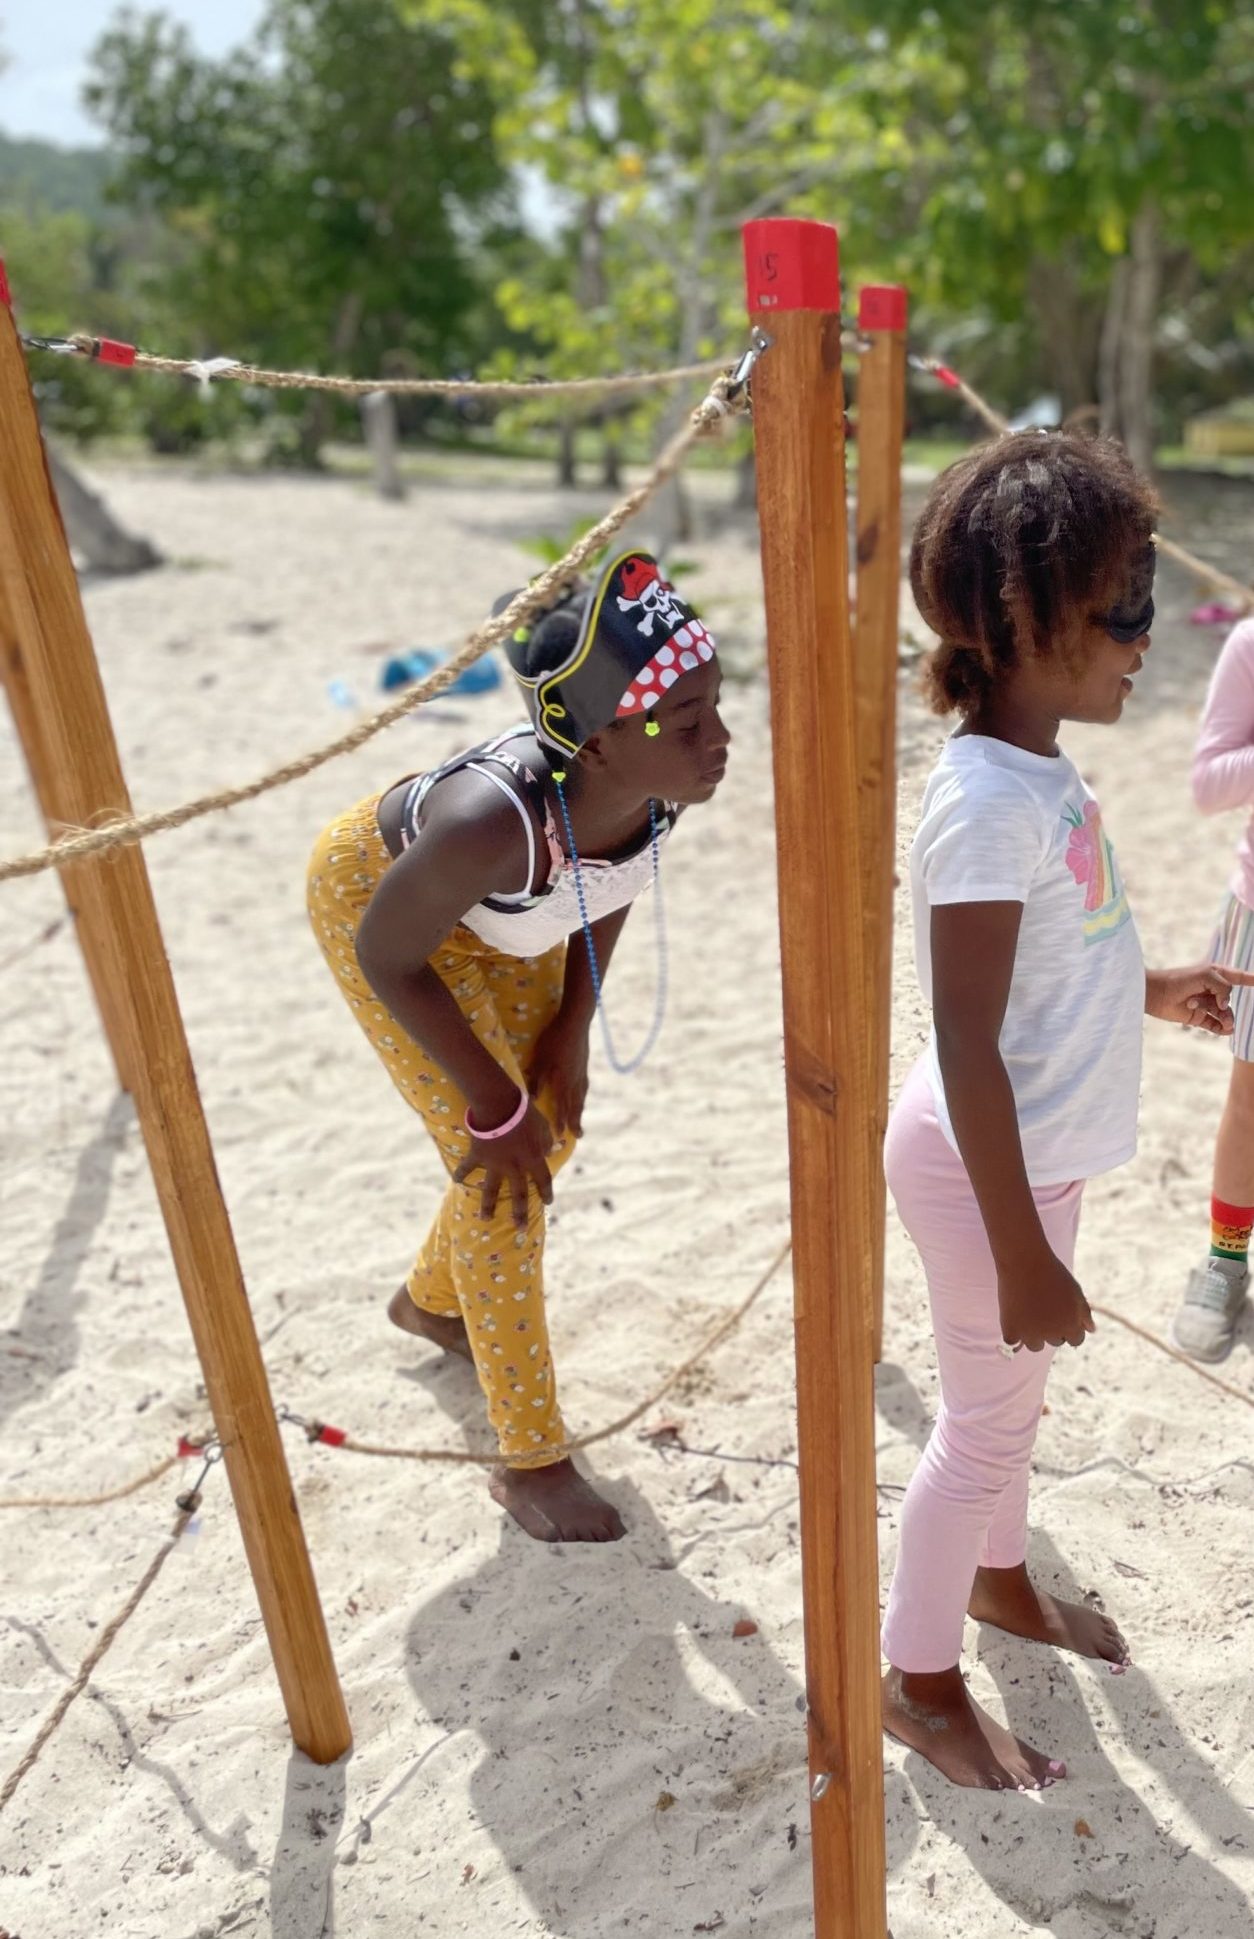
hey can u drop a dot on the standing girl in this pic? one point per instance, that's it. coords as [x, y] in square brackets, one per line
[1033, 562]
[443, 907]
[1223, 777]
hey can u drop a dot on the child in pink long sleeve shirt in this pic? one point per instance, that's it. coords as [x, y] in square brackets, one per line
[1223, 779]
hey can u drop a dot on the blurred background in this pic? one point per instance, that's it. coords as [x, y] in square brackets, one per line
[520, 187]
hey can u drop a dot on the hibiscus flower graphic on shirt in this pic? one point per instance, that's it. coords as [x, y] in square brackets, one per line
[1091, 860]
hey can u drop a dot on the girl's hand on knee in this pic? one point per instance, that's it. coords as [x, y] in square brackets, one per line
[1042, 1305]
[514, 1164]
[559, 1069]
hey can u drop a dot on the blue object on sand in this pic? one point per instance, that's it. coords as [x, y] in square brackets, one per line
[482, 677]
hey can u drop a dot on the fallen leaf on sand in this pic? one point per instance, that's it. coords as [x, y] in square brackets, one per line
[745, 1627]
[664, 1801]
[468, 1872]
[715, 1924]
[1083, 1829]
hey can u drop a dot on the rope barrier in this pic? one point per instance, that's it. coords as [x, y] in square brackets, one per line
[1174, 1353]
[321, 1432]
[212, 370]
[1208, 575]
[104, 1641]
[728, 394]
[336, 1437]
[119, 1493]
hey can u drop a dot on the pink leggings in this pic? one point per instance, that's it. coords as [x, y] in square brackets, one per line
[967, 1505]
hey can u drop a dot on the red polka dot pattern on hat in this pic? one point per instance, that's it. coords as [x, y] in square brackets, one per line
[692, 646]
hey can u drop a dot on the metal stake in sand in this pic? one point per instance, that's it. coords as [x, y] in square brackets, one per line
[798, 410]
[881, 424]
[43, 618]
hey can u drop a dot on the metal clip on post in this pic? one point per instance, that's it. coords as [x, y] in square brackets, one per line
[738, 379]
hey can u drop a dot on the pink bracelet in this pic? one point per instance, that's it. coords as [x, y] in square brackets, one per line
[502, 1130]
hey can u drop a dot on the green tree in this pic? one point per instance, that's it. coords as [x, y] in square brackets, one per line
[1078, 161]
[327, 184]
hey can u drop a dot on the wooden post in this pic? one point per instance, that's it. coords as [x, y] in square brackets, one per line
[43, 615]
[881, 426]
[794, 295]
[49, 792]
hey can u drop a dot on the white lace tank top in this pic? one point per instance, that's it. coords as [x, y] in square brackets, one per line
[527, 923]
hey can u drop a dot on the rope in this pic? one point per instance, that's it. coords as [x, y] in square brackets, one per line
[107, 1637]
[462, 1457]
[120, 1493]
[1207, 574]
[214, 370]
[1174, 1353]
[124, 831]
[456, 1455]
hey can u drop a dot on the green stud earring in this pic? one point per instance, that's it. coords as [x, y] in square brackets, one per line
[522, 634]
[652, 729]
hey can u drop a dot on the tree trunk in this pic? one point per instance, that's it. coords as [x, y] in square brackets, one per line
[612, 455]
[315, 423]
[669, 513]
[94, 535]
[1108, 354]
[1136, 363]
[1127, 349]
[567, 464]
[1070, 331]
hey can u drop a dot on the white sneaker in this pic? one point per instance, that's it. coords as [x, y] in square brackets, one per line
[1206, 1322]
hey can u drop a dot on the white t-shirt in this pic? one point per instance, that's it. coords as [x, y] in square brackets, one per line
[1002, 825]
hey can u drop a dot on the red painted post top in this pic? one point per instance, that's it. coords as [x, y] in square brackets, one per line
[791, 265]
[882, 306]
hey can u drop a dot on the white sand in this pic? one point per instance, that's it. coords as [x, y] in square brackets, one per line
[522, 1713]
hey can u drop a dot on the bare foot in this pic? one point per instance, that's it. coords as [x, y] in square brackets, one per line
[555, 1504]
[447, 1333]
[936, 1715]
[1009, 1600]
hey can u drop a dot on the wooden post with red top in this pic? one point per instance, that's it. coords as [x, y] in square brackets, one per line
[793, 285]
[881, 427]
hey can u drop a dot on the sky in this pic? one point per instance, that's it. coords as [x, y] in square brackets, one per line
[46, 44]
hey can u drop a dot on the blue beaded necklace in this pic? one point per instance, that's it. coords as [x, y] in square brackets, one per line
[623, 1067]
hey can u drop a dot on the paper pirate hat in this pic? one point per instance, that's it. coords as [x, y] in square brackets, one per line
[632, 640]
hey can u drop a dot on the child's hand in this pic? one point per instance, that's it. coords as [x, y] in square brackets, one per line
[1042, 1305]
[559, 1070]
[1196, 998]
[513, 1163]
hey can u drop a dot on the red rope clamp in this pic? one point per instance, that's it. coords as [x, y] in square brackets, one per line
[107, 350]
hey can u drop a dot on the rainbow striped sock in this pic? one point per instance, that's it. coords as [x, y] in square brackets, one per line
[1230, 1228]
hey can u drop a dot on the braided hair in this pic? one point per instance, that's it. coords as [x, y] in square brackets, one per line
[547, 639]
[1017, 545]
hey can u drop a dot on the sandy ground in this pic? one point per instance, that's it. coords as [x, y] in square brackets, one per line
[552, 1741]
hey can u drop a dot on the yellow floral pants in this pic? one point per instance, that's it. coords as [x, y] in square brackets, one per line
[489, 1271]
